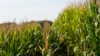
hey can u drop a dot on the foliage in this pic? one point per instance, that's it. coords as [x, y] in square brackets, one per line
[75, 32]
[79, 29]
[21, 43]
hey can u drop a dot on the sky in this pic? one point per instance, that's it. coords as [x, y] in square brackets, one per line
[28, 10]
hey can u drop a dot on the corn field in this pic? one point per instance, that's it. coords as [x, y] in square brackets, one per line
[75, 32]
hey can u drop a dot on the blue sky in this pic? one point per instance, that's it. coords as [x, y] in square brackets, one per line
[27, 10]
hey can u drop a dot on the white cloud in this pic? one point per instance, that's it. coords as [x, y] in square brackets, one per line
[14, 3]
[31, 9]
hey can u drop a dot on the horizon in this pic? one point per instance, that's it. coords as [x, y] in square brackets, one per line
[32, 10]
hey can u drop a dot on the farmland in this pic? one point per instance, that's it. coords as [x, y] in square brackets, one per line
[75, 32]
